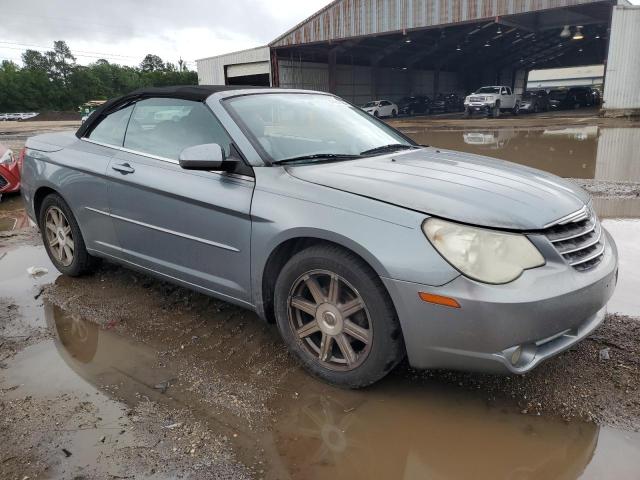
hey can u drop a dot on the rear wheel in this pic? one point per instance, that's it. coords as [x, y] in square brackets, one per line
[62, 238]
[336, 317]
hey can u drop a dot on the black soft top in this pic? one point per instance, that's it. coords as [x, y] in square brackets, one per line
[198, 93]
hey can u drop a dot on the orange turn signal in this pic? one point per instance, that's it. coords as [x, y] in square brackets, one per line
[438, 299]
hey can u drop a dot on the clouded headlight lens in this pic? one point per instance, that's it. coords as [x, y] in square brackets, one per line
[484, 255]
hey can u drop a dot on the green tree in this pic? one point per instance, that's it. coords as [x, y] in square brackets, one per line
[152, 63]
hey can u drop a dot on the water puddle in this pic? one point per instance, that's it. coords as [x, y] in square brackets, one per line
[626, 233]
[394, 430]
[608, 154]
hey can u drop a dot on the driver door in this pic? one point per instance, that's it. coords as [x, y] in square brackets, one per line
[193, 226]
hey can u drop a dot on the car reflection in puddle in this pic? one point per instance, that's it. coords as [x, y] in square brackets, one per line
[394, 430]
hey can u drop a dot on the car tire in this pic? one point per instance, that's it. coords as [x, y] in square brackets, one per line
[376, 114]
[536, 108]
[372, 332]
[496, 110]
[515, 110]
[467, 112]
[62, 237]
[394, 113]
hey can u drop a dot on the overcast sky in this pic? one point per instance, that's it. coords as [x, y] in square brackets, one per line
[123, 31]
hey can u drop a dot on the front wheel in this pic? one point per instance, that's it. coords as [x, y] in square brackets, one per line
[376, 114]
[394, 113]
[62, 238]
[336, 317]
[515, 110]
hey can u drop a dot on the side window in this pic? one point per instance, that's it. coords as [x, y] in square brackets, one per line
[504, 91]
[166, 126]
[384, 103]
[111, 129]
[508, 91]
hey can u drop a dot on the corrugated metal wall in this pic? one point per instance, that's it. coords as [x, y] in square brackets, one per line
[211, 70]
[618, 158]
[622, 80]
[354, 18]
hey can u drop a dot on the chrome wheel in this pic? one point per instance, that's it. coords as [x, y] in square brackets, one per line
[330, 319]
[59, 236]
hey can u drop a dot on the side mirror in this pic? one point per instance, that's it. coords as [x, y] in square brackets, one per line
[208, 156]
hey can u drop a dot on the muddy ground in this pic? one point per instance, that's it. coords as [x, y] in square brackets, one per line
[119, 375]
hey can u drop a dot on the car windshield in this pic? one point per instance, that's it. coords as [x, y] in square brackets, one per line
[557, 94]
[371, 104]
[488, 90]
[292, 125]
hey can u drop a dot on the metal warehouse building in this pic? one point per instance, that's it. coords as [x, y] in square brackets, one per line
[367, 49]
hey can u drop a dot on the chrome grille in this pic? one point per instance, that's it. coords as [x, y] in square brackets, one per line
[476, 99]
[578, 239]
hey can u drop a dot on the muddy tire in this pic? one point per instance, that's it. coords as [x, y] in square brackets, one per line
[336, 317]
[62, 238]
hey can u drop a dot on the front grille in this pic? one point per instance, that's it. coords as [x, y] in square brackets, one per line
[3, 182]
[578, 239]
[476, 99]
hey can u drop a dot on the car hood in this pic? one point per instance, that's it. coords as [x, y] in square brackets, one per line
[459, 186]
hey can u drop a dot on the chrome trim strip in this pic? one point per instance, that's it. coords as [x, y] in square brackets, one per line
[165, 159]
[583, 246]
[572, 217]
[583, 232]
[165, 230]
[593, 256]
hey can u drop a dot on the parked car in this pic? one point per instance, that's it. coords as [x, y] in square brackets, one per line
[492, 101]
[9, 171]
[361, 246]
[572, 98]
[381, 108]
[450, 102]
[534, 101]
[413, 105]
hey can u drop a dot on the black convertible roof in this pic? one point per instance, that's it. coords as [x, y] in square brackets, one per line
[198, 93]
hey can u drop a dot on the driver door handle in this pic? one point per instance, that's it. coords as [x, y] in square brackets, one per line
[123, 168]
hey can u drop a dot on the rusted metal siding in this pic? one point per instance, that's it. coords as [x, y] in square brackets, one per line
[354, 18]
[622, 80]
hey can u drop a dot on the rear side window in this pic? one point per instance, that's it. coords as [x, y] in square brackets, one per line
[112, 127]
[165, 126]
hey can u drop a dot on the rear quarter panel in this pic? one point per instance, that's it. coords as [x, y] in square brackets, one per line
[76, 171]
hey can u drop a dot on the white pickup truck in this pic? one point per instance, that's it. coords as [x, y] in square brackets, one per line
[491, 101]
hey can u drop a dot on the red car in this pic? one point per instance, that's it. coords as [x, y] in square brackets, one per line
[9, 170]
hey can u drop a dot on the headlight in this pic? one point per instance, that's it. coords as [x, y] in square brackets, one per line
[7, 158]
[481, 254]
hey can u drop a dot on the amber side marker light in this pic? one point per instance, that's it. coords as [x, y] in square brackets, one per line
[438, 299]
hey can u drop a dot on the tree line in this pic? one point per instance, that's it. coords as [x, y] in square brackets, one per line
[53, 80]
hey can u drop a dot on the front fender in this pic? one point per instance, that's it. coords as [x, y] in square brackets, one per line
[389, 238]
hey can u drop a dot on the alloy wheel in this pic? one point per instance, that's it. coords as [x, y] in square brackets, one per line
[330, 319]
[59, 236]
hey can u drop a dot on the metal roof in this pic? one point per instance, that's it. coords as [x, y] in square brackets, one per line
[344, 19]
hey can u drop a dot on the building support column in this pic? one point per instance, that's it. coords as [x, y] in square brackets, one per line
[275, 69]
[333, 55]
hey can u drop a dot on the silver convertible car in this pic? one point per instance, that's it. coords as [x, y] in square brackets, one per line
[362, 246]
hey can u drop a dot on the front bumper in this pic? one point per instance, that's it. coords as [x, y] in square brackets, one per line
[507, 328]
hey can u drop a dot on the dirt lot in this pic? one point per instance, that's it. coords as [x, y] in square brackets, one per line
[119, 375]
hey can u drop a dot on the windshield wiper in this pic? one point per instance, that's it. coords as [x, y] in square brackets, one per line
[317, 156]
[387, 148]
